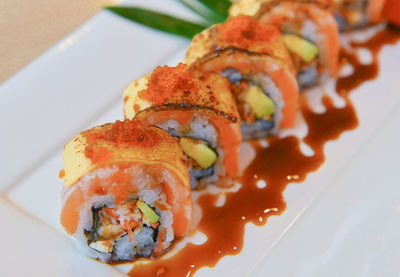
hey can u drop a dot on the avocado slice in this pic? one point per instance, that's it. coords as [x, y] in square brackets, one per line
[199, 151]
[259, 102]
[306, 50]
[148, 212]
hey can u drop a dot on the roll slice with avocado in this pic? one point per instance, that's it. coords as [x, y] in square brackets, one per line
[127, 191]
[352, 14]
[253, 57]
[197, 108]
[310, 34]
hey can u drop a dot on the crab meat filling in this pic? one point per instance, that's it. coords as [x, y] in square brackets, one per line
[128, 222]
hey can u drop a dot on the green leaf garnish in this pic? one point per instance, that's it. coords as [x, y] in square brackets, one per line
[221, 7]
[203, 11]
[159, 21]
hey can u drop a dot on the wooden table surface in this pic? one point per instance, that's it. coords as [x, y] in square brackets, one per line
[29, 28]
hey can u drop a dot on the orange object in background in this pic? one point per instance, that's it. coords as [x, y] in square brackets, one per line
[391, 11]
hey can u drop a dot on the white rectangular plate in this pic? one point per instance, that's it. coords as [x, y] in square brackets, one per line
[344, 220]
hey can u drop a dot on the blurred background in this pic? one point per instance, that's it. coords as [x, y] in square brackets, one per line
[29, 28]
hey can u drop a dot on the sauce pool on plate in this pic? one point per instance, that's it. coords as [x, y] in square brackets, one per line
[254, 204]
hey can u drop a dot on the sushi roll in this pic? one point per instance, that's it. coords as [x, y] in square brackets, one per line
[309, 30]
[352, 14]
[253, 57]
[126, 191]
[196, 107]
[391, 12]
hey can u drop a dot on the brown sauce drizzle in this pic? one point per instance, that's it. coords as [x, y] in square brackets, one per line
[252, 204]
[368, 72]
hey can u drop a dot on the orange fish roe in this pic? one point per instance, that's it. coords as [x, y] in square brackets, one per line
[99, 156]
[131, 132]
[61, 173]
[245, 31]
[166, 81]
